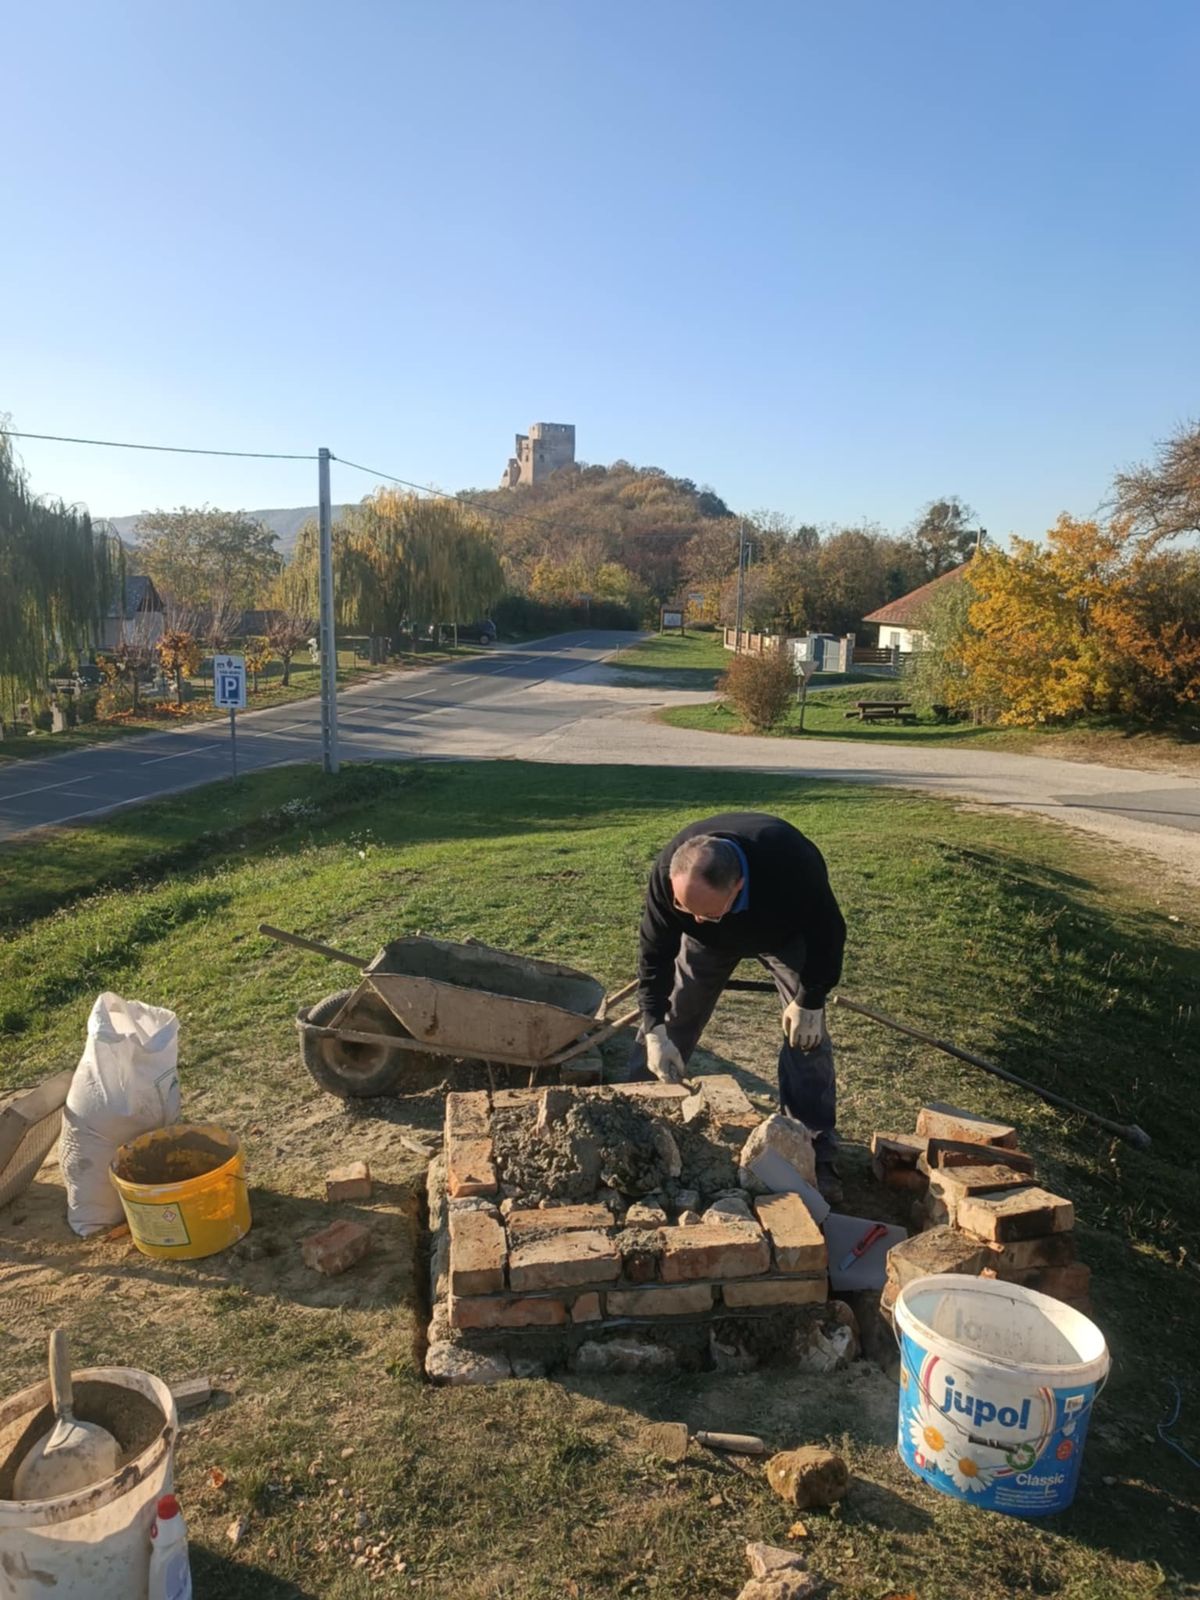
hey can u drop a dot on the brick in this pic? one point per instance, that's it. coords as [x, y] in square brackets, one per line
[336, 1247]
[523, 1224]
[714, 1250]
[726, 1102]
[652, 1091]
[191, 1393]
[1015, 1214]
[898, 1149]
[478, 1251]
[1050, 1250]
[965, 1153]
[468, 1116]
[797, 1242]
[586, 1307]
[904, 1180]
[938, 1120]
[506, 1311]
[470, 1167]
[552, 1108]
[692, 1299]
[776, 1292]
[939, 1250]
[645, 1215]
[563, 1260]
[949, 1186]
[640, 1256]
[351, 1182]
[1072, 1282]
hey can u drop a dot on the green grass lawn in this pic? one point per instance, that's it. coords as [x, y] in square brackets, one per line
[696, 661]
[1027, 944]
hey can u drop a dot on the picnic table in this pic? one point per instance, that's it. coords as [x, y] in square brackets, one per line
[883, 711]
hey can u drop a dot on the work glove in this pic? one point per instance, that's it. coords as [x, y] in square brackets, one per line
[662, 1057]
[804, 1029]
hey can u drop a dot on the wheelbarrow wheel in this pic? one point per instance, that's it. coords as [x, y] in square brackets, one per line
[351, 1071]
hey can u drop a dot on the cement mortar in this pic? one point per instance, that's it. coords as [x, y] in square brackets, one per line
[606, 1141]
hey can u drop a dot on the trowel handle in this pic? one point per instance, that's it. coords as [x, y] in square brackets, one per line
[62, 1393]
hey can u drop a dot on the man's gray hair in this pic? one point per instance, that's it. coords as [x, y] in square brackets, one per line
[713, 860]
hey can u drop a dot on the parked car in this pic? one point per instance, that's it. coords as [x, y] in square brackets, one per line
[483, 631]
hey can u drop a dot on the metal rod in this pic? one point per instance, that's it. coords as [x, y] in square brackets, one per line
[327, 631]
[1129, 1131]
[314, 945]
[1135, 1136]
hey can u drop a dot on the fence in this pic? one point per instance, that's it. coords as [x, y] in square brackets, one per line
[889, 657]
[754, 644]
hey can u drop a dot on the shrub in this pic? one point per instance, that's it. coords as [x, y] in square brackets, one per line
[113, 701]
[85, 705]
[761, 687]
[42, 720]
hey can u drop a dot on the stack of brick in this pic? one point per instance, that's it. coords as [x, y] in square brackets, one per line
[563, 1265]
[979, 1196]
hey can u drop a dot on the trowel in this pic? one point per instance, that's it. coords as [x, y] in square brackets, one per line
[73, 1454]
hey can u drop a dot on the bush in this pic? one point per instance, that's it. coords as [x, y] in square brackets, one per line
[761, 687]
[42, 720]
[112, 702]
[519, 614]
[85, 705]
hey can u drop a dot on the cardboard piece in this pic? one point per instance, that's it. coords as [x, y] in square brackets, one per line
[781, 1177]
[870, 1270]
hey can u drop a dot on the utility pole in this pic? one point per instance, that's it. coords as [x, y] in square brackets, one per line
[741, 588]
[327, 633]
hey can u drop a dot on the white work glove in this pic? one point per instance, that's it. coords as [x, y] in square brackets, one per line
[804, 1029]
[662, 1057]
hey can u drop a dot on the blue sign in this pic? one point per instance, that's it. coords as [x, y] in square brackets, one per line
[229, 682]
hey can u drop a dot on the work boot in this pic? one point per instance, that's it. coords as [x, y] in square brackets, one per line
[829, 1178]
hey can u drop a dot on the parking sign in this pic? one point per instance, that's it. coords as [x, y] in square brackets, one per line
[229, 682]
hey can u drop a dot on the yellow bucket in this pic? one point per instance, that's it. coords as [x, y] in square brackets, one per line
[184, 1190]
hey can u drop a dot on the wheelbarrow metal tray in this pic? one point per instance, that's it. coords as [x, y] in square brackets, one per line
[471, 1000]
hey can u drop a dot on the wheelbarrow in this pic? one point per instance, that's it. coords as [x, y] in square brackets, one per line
[421, 997]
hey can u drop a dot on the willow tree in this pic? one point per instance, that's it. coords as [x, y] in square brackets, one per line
[57, 575]
[400, 563]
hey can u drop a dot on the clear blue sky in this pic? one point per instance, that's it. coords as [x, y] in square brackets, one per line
[834, 259]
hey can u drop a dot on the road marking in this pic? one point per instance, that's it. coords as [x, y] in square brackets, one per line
[175, 755]
[42, 787]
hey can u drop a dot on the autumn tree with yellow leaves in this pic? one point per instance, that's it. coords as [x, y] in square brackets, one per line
[1099, 619]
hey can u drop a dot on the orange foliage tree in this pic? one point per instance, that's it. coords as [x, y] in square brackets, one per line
[1096, 620]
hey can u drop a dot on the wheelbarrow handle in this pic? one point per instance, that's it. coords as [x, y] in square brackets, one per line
[302, 943]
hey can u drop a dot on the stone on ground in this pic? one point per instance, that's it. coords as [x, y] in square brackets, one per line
[451, 1364]
[810, 1476]
[768, 1559]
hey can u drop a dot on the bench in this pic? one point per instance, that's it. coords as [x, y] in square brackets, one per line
[883, 711]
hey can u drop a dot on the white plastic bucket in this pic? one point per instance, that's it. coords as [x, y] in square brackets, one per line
[93, 1545]
[996, 1390]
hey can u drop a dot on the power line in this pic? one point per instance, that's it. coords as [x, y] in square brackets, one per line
[275, 455]
[169, 449]
[438, 494]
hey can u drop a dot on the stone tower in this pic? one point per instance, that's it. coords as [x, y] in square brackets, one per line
[543, 450]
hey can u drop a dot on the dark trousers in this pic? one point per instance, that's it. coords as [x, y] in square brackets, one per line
[807, 1084]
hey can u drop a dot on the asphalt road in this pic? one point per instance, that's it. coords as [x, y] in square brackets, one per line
[480, 706]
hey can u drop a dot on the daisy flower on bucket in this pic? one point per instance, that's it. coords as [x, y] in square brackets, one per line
[966, 1474]
[927, 1430]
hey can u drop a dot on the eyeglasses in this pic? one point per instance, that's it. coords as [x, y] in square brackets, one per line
[724, 912]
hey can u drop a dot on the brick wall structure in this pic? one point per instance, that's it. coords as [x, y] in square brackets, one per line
[513, 1274]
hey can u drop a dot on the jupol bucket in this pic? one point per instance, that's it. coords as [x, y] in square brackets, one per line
[997, 1385]
[184, 1190]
